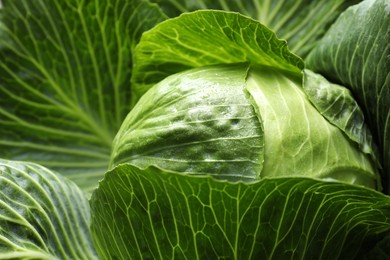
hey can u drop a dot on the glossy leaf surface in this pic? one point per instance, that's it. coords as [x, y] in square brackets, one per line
[65, 71]
[170, 215]
[42, 215]
[355, 52]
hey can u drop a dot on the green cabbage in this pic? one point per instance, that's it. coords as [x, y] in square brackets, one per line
[242, 122]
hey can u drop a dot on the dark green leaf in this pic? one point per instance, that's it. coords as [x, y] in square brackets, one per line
[205, 38]
[162, 215]
[300, 22]
[65, 71]
[356, 53]
[381, 251]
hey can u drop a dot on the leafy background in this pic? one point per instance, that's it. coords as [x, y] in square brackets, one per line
[65, 71]
[64, 89]
[65, 68]
[300, 22]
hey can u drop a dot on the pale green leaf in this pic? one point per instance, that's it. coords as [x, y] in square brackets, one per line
[337, 105]
[199, 122]
[298, 138]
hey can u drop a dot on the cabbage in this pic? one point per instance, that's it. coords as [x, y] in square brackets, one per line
[193, 129]
[240, 122]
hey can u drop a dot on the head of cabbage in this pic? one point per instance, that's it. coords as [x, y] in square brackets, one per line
[241, 122]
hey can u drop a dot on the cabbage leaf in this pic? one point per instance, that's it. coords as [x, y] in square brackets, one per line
[70, 72]
[42, 215]
[65, 69]
[206, 38]
[173, 216]
[355, 52]
[300, 22]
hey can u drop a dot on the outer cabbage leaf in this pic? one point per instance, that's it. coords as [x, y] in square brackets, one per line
[199, 122]
[337, 104]
[169, 215]
[65, 68]
[42, 215]
[356, 52]
[301, 139]
[205, 38]
[300, 22]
